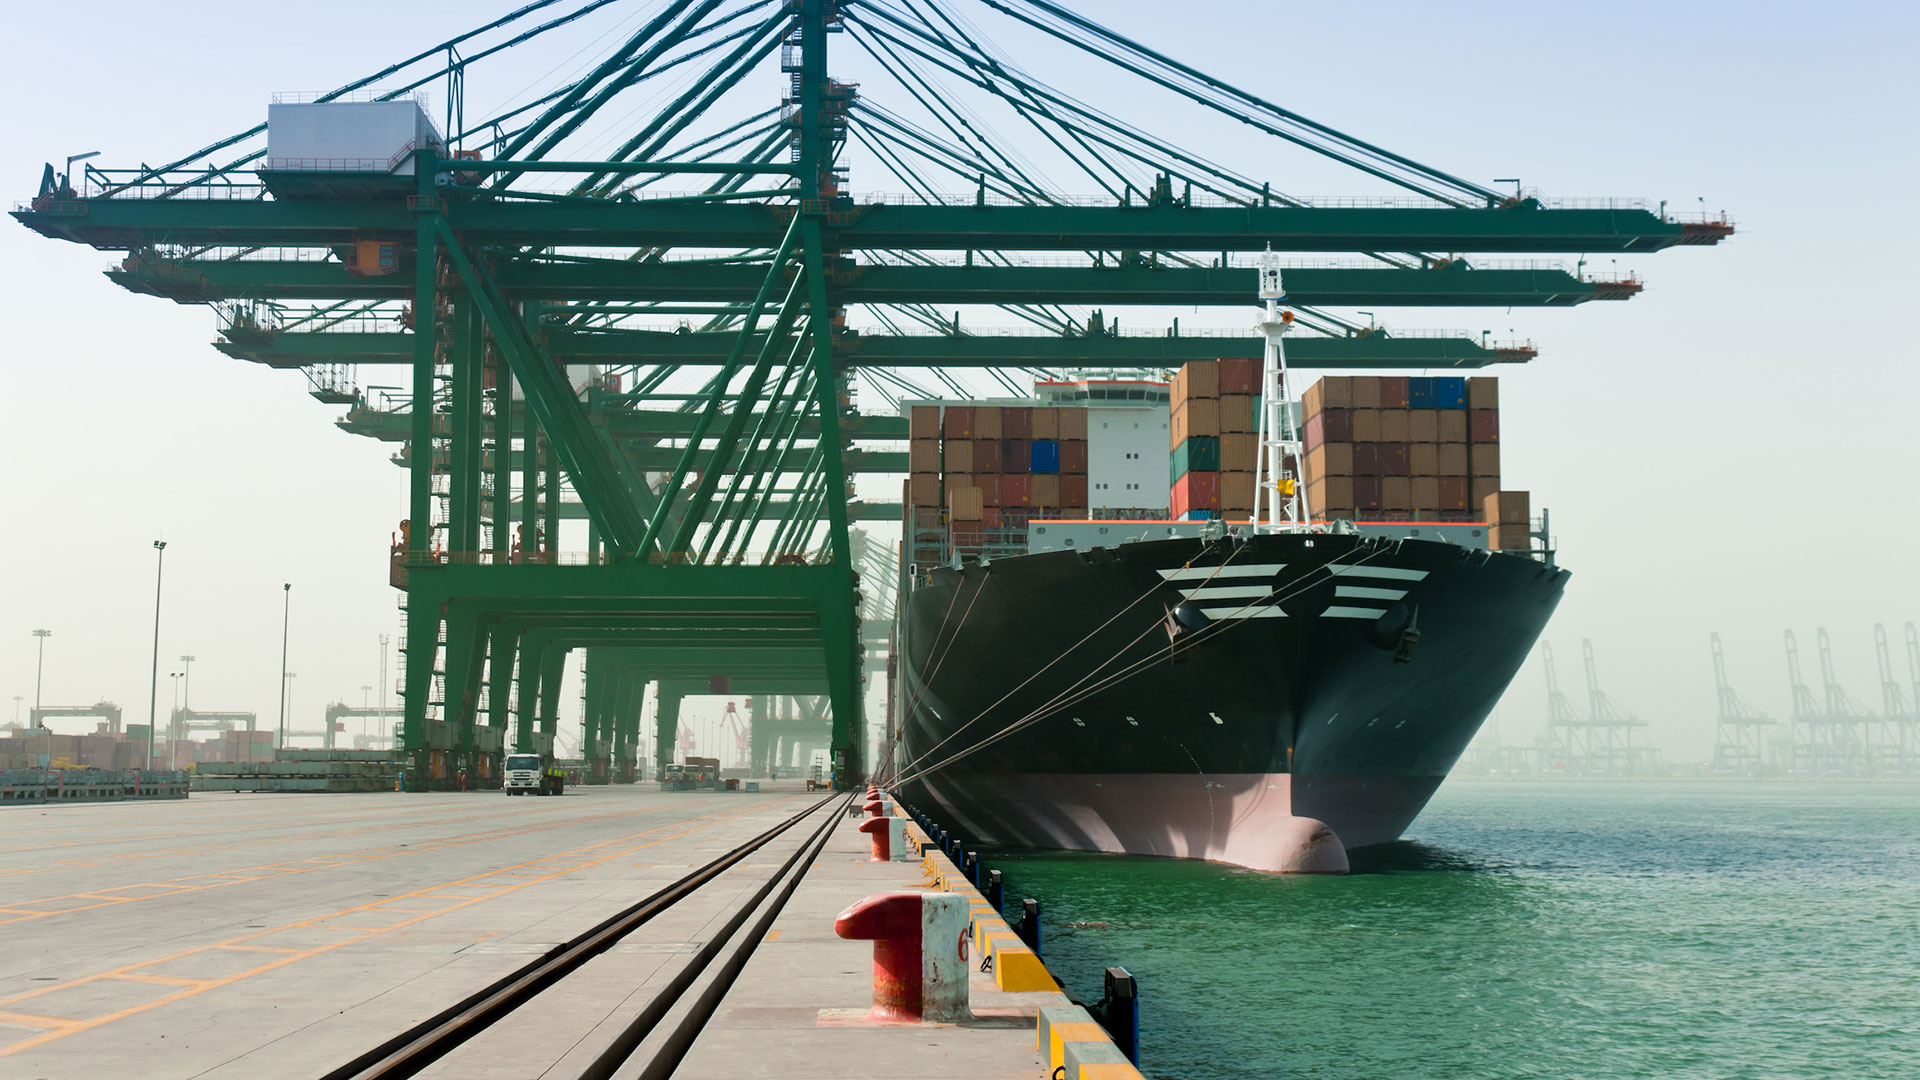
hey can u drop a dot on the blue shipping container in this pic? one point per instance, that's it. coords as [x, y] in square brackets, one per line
[1197, 515]
[1420, 393]
[1450, 392]
[1046, 455]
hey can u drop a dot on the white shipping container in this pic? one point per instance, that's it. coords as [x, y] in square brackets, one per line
[348, 136]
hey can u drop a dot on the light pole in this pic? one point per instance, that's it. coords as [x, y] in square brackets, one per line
[40, 665]
[153, 687]
[186, 685]
[175, 676]
[287, 691]
[286, 614]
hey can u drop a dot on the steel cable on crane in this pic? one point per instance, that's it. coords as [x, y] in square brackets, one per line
[1069, 697]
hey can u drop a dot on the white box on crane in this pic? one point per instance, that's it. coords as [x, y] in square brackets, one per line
[348, 136]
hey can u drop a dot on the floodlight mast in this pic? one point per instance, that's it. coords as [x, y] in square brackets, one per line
[1279, 498]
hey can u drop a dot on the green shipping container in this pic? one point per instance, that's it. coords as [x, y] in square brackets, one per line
[1200, 453]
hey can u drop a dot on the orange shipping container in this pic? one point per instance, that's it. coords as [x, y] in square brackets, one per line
[1332, 392]
[923, 489]
[923, 456]
[959, 456]
[1366, 391]
[1016, 490]
[989, 489]
[1073, 493]
[1453, 459]
[1483, 392]
[1423, 425]
[1509, 538]
[986, 422]
[1423, 459]
[1196, 379]
[1043, 489]
[1394, 426]
[964, 504]
[1236, 413]
[1046, 423]
[1331, 497]
[1479, 488]
[1396, 493]
[923, 422]
[1485, 459]
[1453, 492]
[1073, 423]
[1196, 416]
[1331, 459]
[1425, 491]
[1238, 453]
[1507, 508]
[1366, 425]
[1239, 375]
[1073, 457]
[1236, 491]
[957, 422]
[1453, 426]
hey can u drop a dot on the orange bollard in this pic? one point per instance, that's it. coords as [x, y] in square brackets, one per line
[919, 954]
[877, 830]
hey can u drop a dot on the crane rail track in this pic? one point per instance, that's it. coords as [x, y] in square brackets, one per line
[419, 1047]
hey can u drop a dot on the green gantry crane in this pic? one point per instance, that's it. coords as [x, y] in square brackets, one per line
[519, 267]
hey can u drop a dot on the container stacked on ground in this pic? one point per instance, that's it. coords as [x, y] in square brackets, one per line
[1211, 437]
[992, 468]
[1409, 448]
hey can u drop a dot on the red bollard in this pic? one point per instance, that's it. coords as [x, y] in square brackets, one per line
[919, 954]
[875, 808]
[876, 828]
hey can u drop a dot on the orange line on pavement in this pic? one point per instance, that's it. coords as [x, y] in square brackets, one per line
[584, 860]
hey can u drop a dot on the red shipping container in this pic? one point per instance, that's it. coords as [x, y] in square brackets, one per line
[1073, 488]
[1454, 493]
[1195, 491]
[957, 422]
[1014, 490]
[1483, 425]
[1239, 375]
[1073, 458]
[989, 485]
[1016, 422]
[1393, 391]
[1366, 493]
[992, 518]
[1392, 458]
[1016, 455]
[986, 456]
[1366, 459]
[1329, 425]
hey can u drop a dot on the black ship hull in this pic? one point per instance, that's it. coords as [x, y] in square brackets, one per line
[1267, 701]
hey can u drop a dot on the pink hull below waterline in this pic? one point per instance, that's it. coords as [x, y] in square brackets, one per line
[1246, 819]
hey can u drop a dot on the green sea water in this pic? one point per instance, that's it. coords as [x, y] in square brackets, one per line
[1591, 931]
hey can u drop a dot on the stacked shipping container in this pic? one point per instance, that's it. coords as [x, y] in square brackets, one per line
[1399, 448]
[994, 468]
[1212, 440]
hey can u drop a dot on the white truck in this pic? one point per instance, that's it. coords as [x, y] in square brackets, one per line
[528, 774]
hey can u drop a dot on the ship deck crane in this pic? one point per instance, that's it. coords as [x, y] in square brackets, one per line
[1739, 728]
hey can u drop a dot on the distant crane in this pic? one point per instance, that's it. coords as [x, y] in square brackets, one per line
[1572, 738]
[1738, 748]
[742, 744]
[1898, 746]
[1806, 724]
[1850, 724]
[1615, 726]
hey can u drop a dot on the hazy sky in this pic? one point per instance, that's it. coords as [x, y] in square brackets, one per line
[1733, 450]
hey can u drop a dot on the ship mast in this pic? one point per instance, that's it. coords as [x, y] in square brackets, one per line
[1279, 503]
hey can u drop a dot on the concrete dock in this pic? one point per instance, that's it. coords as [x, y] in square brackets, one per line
[244, 935]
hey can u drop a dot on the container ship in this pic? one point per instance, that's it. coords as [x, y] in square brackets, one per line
[1276, 664]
